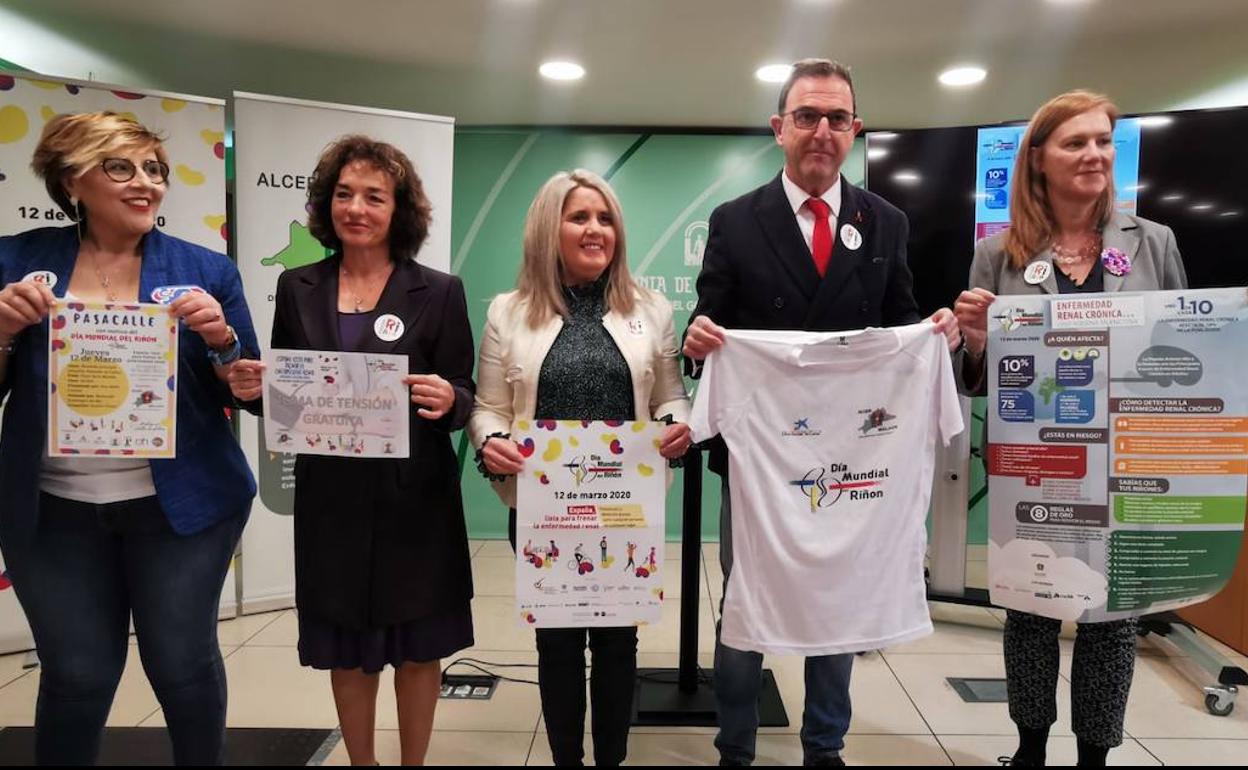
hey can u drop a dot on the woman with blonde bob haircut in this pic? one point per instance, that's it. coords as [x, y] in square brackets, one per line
[94, 542]
[1066, 236]
[541, 276]
[577, 340]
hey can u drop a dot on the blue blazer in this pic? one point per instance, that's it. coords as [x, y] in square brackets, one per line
[209, 480]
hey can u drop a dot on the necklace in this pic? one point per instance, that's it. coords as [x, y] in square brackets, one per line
[1087, 247]
[106, 280]
[370, 287]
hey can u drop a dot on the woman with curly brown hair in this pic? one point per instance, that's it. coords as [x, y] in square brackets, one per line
[382, 570]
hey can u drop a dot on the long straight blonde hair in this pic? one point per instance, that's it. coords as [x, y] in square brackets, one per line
[1032, 224]
[540, 283]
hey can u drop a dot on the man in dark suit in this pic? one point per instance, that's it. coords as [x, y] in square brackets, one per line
[807, 251]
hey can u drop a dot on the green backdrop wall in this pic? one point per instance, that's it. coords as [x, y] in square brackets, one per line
[668, 184]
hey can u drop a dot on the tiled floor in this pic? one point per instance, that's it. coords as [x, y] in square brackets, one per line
[905, 712]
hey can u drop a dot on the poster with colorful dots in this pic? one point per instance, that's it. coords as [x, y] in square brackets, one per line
[589, 523]
[112, 380]
[194, 136]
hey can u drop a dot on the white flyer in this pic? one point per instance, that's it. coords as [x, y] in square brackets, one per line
[322, 402]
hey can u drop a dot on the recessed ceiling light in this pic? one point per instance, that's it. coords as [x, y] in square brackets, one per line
[1155, 121]
[875, 153]
[907, 177]
[1172, 197]
[963, 76]
[1137, 187]
[883, 136]
[1201, 206]
[1229, 214]
[562, 70]
[773, 73]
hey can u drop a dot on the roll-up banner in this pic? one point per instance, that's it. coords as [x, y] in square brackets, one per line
[193, 128]
[277, 143]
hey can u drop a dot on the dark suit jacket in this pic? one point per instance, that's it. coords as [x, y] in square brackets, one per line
[757, 272]
[380, 541]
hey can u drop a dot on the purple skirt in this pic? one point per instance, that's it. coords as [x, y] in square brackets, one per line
[325, 646]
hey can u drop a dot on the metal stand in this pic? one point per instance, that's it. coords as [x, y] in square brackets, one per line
[1227, 679]
[685, 695]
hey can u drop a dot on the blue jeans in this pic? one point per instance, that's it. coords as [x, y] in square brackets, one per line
[86, 571]
[739, 679]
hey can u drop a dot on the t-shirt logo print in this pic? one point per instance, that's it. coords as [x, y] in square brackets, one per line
[876, 421]
[801, 427]
[823, 486]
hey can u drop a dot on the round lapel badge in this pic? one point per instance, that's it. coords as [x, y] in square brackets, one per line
[45, 277]
[1037, 272]
[851, 237]
[388, 327]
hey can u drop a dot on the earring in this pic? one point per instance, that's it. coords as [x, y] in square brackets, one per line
[80, 213]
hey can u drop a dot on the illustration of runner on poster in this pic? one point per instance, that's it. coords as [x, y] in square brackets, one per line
[590, 523]
[1119, 450]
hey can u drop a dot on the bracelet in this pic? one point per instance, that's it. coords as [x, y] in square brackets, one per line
[481, 466]
[231, 354]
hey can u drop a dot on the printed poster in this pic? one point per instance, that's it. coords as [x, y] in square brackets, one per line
[112, 380]
[334, 403]
[1118, 460]
[590, 523]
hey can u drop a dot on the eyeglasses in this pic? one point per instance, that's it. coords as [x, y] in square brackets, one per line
[807, 119]
[123, 170]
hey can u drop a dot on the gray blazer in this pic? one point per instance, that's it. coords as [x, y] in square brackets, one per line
[1155, 264]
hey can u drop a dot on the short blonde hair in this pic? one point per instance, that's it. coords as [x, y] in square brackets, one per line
[72, 144]
[1031, 214]
[541, 283]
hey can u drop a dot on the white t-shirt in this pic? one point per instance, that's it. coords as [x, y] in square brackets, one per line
[831, 443]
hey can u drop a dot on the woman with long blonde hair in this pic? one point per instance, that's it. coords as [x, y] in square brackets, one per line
[577, 340]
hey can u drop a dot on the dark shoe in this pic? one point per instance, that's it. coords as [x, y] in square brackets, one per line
[823, 760]
[1019, 760]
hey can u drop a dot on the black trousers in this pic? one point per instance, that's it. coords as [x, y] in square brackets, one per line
[561, 680]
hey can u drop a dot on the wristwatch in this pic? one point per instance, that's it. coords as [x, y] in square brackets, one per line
[229, 354]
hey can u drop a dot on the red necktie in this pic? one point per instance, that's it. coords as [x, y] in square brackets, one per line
[821, 243]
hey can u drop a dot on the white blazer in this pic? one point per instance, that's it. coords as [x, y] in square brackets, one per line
[512, 355]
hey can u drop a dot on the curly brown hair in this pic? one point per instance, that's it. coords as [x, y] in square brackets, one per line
[412, 210]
